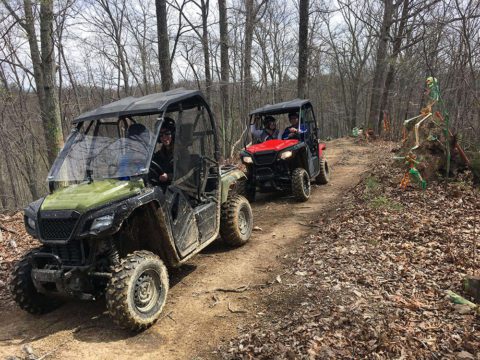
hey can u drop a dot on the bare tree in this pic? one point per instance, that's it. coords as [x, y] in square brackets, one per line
[43, 61]
[225, 67]
[380, 62]
[163, 45]
[302, 79]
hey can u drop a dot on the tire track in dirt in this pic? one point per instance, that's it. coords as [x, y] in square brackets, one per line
[196, 319]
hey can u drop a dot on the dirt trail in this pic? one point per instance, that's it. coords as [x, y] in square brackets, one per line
[196, 319]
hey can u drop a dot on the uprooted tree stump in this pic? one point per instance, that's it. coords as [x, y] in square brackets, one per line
[431, 151]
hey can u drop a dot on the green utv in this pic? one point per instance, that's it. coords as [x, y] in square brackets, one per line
[110, 228]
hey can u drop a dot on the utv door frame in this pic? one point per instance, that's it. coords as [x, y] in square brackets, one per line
[311, 140]
[190, 224]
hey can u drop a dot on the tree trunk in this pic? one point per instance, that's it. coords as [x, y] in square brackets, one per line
[225, 68]
[302, 50]
[393, 61]
[3, 195]
[11, 176]
[380, 63]
[163, 45]
[247, 60]
[206, 51]
[51, 123]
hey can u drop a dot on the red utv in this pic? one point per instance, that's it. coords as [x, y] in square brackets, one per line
[287, 165]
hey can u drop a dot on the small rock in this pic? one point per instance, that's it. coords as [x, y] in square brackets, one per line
[290, 355]
[463, 309]
[464, 355]
[257, 228]
[358, 293]
[28, 349]
[301, 273]
[279, 279]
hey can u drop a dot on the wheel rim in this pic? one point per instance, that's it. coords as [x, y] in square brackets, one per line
[147, 291]
[243, 221]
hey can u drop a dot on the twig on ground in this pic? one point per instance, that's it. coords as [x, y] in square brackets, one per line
[8, 230]
[310, 225]
[235, 311]
[238, 289]
[167, 315]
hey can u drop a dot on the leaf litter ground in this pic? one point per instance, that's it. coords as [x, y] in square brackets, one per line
[371, 282]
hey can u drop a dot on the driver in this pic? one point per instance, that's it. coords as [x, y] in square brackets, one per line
[269, 132]
[164, 156]
[293, 131]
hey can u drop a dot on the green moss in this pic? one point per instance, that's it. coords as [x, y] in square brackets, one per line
[382, 202]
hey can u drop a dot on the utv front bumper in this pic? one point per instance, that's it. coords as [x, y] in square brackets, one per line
[51, 276]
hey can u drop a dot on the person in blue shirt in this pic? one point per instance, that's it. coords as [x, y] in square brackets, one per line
[270, 132]
[294, 131]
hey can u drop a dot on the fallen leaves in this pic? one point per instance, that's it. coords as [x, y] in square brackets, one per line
[371, 282]
[14, 242]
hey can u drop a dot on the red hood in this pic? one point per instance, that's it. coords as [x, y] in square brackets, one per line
[269, 145]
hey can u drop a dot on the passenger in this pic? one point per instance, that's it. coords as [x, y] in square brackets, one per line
[269, 132]
[293, 131]
[138, 132]
[164, 156]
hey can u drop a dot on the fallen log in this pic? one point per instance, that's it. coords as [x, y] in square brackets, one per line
[457, 299]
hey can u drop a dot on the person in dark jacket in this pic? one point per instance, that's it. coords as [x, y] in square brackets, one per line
[164, 156]
[294, 131]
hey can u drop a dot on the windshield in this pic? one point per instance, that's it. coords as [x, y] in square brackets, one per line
[107, 149]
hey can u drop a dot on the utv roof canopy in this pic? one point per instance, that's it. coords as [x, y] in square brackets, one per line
[145, 105]
[280, 108]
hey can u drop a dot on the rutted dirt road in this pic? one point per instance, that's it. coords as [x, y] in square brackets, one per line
[199, 313]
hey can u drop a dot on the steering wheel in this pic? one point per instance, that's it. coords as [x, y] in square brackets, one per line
[155, 172]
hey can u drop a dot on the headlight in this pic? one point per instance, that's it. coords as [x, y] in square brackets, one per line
[247, 160]
[286, 154]
[31, 223]
[102, 222]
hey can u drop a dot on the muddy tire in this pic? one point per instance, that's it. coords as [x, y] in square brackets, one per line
[324, 176]
[137, 291]
[24, 292]
[236, 221]
[301, 188]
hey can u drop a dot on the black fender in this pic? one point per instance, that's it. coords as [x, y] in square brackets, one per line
[140, 222]
[300, 158]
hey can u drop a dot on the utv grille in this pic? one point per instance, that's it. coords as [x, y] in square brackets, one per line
[71, 254]
[266, 158]
[57, 229]
[57, 225]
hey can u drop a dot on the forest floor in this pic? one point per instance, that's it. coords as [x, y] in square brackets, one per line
[360, 270]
